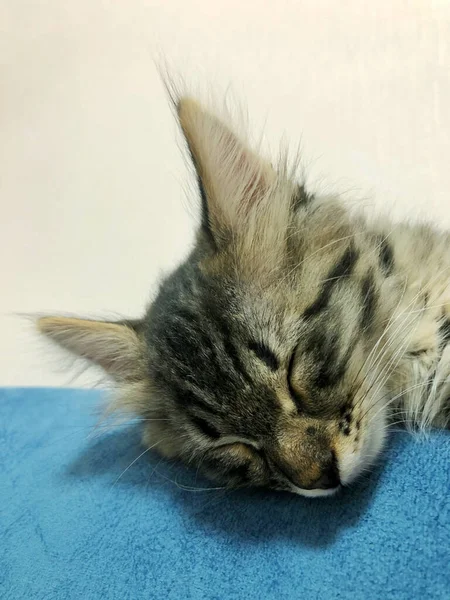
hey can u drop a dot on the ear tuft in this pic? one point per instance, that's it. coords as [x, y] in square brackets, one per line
[116, 347]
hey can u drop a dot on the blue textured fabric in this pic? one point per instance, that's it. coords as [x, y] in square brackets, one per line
[76, 523]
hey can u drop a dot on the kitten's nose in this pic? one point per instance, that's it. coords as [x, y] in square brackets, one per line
[328, 479]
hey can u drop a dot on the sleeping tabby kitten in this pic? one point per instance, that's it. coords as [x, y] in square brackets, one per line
[277, 353]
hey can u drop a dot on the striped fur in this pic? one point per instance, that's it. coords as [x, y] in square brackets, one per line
[277, 353]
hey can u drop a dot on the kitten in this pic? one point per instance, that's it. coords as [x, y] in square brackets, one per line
[277, 353]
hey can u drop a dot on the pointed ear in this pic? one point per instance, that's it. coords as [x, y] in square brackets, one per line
[233, 180]
[116, 347]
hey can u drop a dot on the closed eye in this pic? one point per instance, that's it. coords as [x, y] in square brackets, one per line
[295, 395]
[265, 354]
[208, 429]
[230, 440]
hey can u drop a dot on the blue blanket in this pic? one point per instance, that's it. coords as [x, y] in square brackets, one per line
[80, 520]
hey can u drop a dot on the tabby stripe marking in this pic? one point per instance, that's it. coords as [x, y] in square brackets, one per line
[386, 256]
[369, 298]
[343, 268]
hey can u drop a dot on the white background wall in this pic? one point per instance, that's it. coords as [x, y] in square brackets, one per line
[91, 178]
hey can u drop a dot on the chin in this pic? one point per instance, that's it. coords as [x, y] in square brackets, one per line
[314, 493]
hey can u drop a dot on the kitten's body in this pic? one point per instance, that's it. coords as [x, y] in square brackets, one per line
[277, 352]
[422, 258]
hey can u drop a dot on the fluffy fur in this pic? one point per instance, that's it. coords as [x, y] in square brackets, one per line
[279, 351]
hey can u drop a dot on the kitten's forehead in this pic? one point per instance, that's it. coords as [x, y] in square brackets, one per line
[202, 360]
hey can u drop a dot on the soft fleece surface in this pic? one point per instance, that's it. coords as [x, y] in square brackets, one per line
[71, 529]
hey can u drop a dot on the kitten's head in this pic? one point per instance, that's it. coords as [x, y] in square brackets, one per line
[257, 362]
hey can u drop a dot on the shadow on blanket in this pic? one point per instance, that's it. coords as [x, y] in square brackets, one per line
[250, 515]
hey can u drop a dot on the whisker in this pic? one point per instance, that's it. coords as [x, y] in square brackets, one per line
[189, 488]
[404, 314]
[137, 458]
[399, 395]
[388, 369]
[374, 349]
